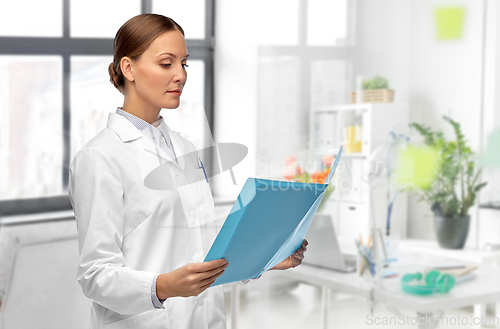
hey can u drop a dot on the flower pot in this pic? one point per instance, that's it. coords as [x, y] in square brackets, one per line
[375, 96]
[451, 232]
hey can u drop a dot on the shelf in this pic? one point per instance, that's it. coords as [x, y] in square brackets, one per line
[335, 150]
[490, 205]
[342, 200]
[354, 204]
[354, 155]
[356, 107]
[350, 107]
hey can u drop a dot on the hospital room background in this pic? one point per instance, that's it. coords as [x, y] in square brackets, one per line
[401, 85]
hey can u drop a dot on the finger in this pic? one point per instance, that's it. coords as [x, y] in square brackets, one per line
[296, 261]
[305, 243]
[208, 266]
[211, 278]
[298, 255]
[211, 273]
[301, 250]
[204, 287]
[209, 281]
[297, 252]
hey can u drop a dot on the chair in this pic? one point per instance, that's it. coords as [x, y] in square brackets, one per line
[42, 290]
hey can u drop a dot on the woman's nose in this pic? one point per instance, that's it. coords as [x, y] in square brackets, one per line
[181, 75]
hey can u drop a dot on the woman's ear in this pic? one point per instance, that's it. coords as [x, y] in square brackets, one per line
[126, 66]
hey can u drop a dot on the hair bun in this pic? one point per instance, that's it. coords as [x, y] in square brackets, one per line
[114, 77]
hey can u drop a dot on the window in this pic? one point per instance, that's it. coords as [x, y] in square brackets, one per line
[304, 63]
[279, 23]
[106, 21]
[22, 18]
[190, 15]
[92, 97]
[32, 129]
[55, 93]
[327, 23]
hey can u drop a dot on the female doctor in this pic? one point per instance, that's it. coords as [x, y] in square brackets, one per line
[142, 249]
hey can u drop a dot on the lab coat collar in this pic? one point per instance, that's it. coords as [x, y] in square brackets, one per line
[122, 127]
[128, 132]
[177, 143]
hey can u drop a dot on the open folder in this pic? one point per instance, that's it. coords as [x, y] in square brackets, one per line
[267, 223]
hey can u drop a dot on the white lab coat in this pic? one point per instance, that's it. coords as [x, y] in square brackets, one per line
[128, 233]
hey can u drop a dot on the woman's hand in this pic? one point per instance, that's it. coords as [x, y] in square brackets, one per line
[189, 280]
[294, 260]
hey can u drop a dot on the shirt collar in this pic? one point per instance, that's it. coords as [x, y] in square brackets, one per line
[141, 124]
[164, 129]
[137, 122]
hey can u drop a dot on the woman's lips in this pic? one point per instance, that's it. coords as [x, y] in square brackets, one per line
[176, 92]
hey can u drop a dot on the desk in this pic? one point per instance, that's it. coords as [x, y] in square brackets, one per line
[484, 289]
[431, 248]
[466, 255]
[329, 280]
[427, 248]
[469, 255]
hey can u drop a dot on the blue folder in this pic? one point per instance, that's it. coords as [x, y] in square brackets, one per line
[267, 224]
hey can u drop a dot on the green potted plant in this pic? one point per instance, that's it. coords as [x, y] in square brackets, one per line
[375, 90]
[454, 187]
[377, 82]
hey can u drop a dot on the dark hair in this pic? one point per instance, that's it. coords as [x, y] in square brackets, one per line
[133, 38]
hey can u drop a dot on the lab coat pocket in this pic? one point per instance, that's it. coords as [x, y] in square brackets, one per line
[196, 199]
[209, 201]
[203, 189]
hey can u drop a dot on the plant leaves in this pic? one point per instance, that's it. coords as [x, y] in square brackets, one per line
[480, 186]
[454, 187]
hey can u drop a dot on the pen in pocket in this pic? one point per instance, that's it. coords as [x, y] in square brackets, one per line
[200, 165]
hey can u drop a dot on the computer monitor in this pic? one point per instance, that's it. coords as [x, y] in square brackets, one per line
[323, 249]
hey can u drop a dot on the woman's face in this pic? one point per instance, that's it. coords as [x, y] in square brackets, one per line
[160, 72]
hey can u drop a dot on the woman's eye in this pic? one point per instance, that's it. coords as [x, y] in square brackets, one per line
[185, 65]
[165, 65]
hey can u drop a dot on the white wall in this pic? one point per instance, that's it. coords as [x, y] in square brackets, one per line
[445, 79]
[489, 224]
[445, 76]
[437, 77]
[491, 118]
[235, 88]
[383, 44]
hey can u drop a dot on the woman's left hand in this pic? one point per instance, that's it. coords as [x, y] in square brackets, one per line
[294, 260]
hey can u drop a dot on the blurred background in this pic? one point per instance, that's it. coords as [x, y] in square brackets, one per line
[293, 80]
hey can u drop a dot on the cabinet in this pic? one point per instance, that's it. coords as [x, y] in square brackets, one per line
[361, 178]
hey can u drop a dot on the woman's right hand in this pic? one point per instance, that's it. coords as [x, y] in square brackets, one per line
[189, 280]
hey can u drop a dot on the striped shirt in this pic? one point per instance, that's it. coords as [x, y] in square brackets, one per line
[158, 131]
